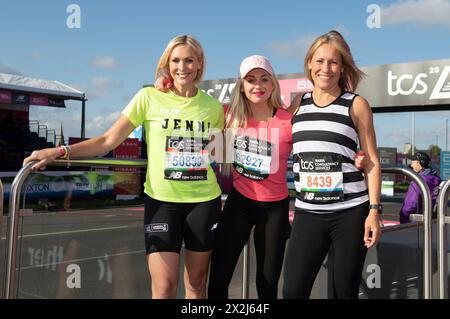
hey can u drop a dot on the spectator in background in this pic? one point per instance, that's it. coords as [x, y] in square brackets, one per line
[413, 200]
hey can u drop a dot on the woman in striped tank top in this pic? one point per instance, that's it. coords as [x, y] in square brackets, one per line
[336, 205]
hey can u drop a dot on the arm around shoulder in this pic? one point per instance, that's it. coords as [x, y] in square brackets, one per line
[295, 104]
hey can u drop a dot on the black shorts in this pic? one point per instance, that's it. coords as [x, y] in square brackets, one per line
[167, 224]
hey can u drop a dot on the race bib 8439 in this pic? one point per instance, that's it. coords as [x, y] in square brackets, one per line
[320, 177]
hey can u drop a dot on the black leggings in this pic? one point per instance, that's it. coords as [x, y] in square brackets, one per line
[311, 238]
[272, 228]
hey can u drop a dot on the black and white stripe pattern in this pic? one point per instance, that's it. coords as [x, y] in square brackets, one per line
[329, 129]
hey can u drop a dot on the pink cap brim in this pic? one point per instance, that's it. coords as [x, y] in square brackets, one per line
[255, 62]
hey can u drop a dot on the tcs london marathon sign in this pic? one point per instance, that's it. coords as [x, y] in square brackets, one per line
[393, 87]
[419, 84]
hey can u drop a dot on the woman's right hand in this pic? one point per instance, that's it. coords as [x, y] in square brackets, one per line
[43, 157]
[163, 83]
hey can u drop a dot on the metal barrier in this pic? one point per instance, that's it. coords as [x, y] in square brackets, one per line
[26, 170]
[1, 198]
[246, 273]
[425, 218]
[14, 200]
[1, 207]
[442, 221]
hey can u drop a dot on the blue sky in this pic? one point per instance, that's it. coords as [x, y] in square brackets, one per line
[116, 49]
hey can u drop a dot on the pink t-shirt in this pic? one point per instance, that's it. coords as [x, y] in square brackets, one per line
[261, 151]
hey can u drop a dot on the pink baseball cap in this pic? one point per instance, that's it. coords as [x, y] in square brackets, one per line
[255, 62]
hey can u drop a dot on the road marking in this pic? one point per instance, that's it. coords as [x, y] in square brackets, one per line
[71, 232]
[29, 294]
[397, 283]
[83, 259]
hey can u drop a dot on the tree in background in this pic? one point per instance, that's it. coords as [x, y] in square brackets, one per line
[434, 150]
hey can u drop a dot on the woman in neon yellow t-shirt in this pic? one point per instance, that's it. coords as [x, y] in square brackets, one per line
[182, 201]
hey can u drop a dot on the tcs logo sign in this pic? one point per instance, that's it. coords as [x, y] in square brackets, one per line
[406, 84]
[176, 144]
[241, 142]
[306, 165]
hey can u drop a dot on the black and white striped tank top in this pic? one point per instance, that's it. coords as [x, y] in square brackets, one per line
[324, 146]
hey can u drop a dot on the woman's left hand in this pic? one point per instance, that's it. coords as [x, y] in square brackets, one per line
[360, 160]
[372, 229]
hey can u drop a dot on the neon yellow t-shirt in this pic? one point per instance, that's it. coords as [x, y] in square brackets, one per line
[177, 131]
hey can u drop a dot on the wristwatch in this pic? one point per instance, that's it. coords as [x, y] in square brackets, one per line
[378, 207]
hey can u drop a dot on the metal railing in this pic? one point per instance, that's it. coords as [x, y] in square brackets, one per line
[42, 128]
[1, 201]
[34, 123]
[14, 200]
[246, 271]
[51, 133]
[425, 218]
[1, 207]
[442, 221]
[26, 170]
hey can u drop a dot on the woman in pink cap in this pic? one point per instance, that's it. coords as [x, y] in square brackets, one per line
[259, 141]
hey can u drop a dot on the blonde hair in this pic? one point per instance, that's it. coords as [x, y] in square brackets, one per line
[239, 110]
[163, 65]
[351, 74]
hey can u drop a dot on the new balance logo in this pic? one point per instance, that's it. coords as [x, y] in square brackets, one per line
[309, 196]
[156, 228]
[175, 175]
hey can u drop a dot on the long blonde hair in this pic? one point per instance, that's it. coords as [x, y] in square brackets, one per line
[163, 65]
[239, 110]
[351, 74]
